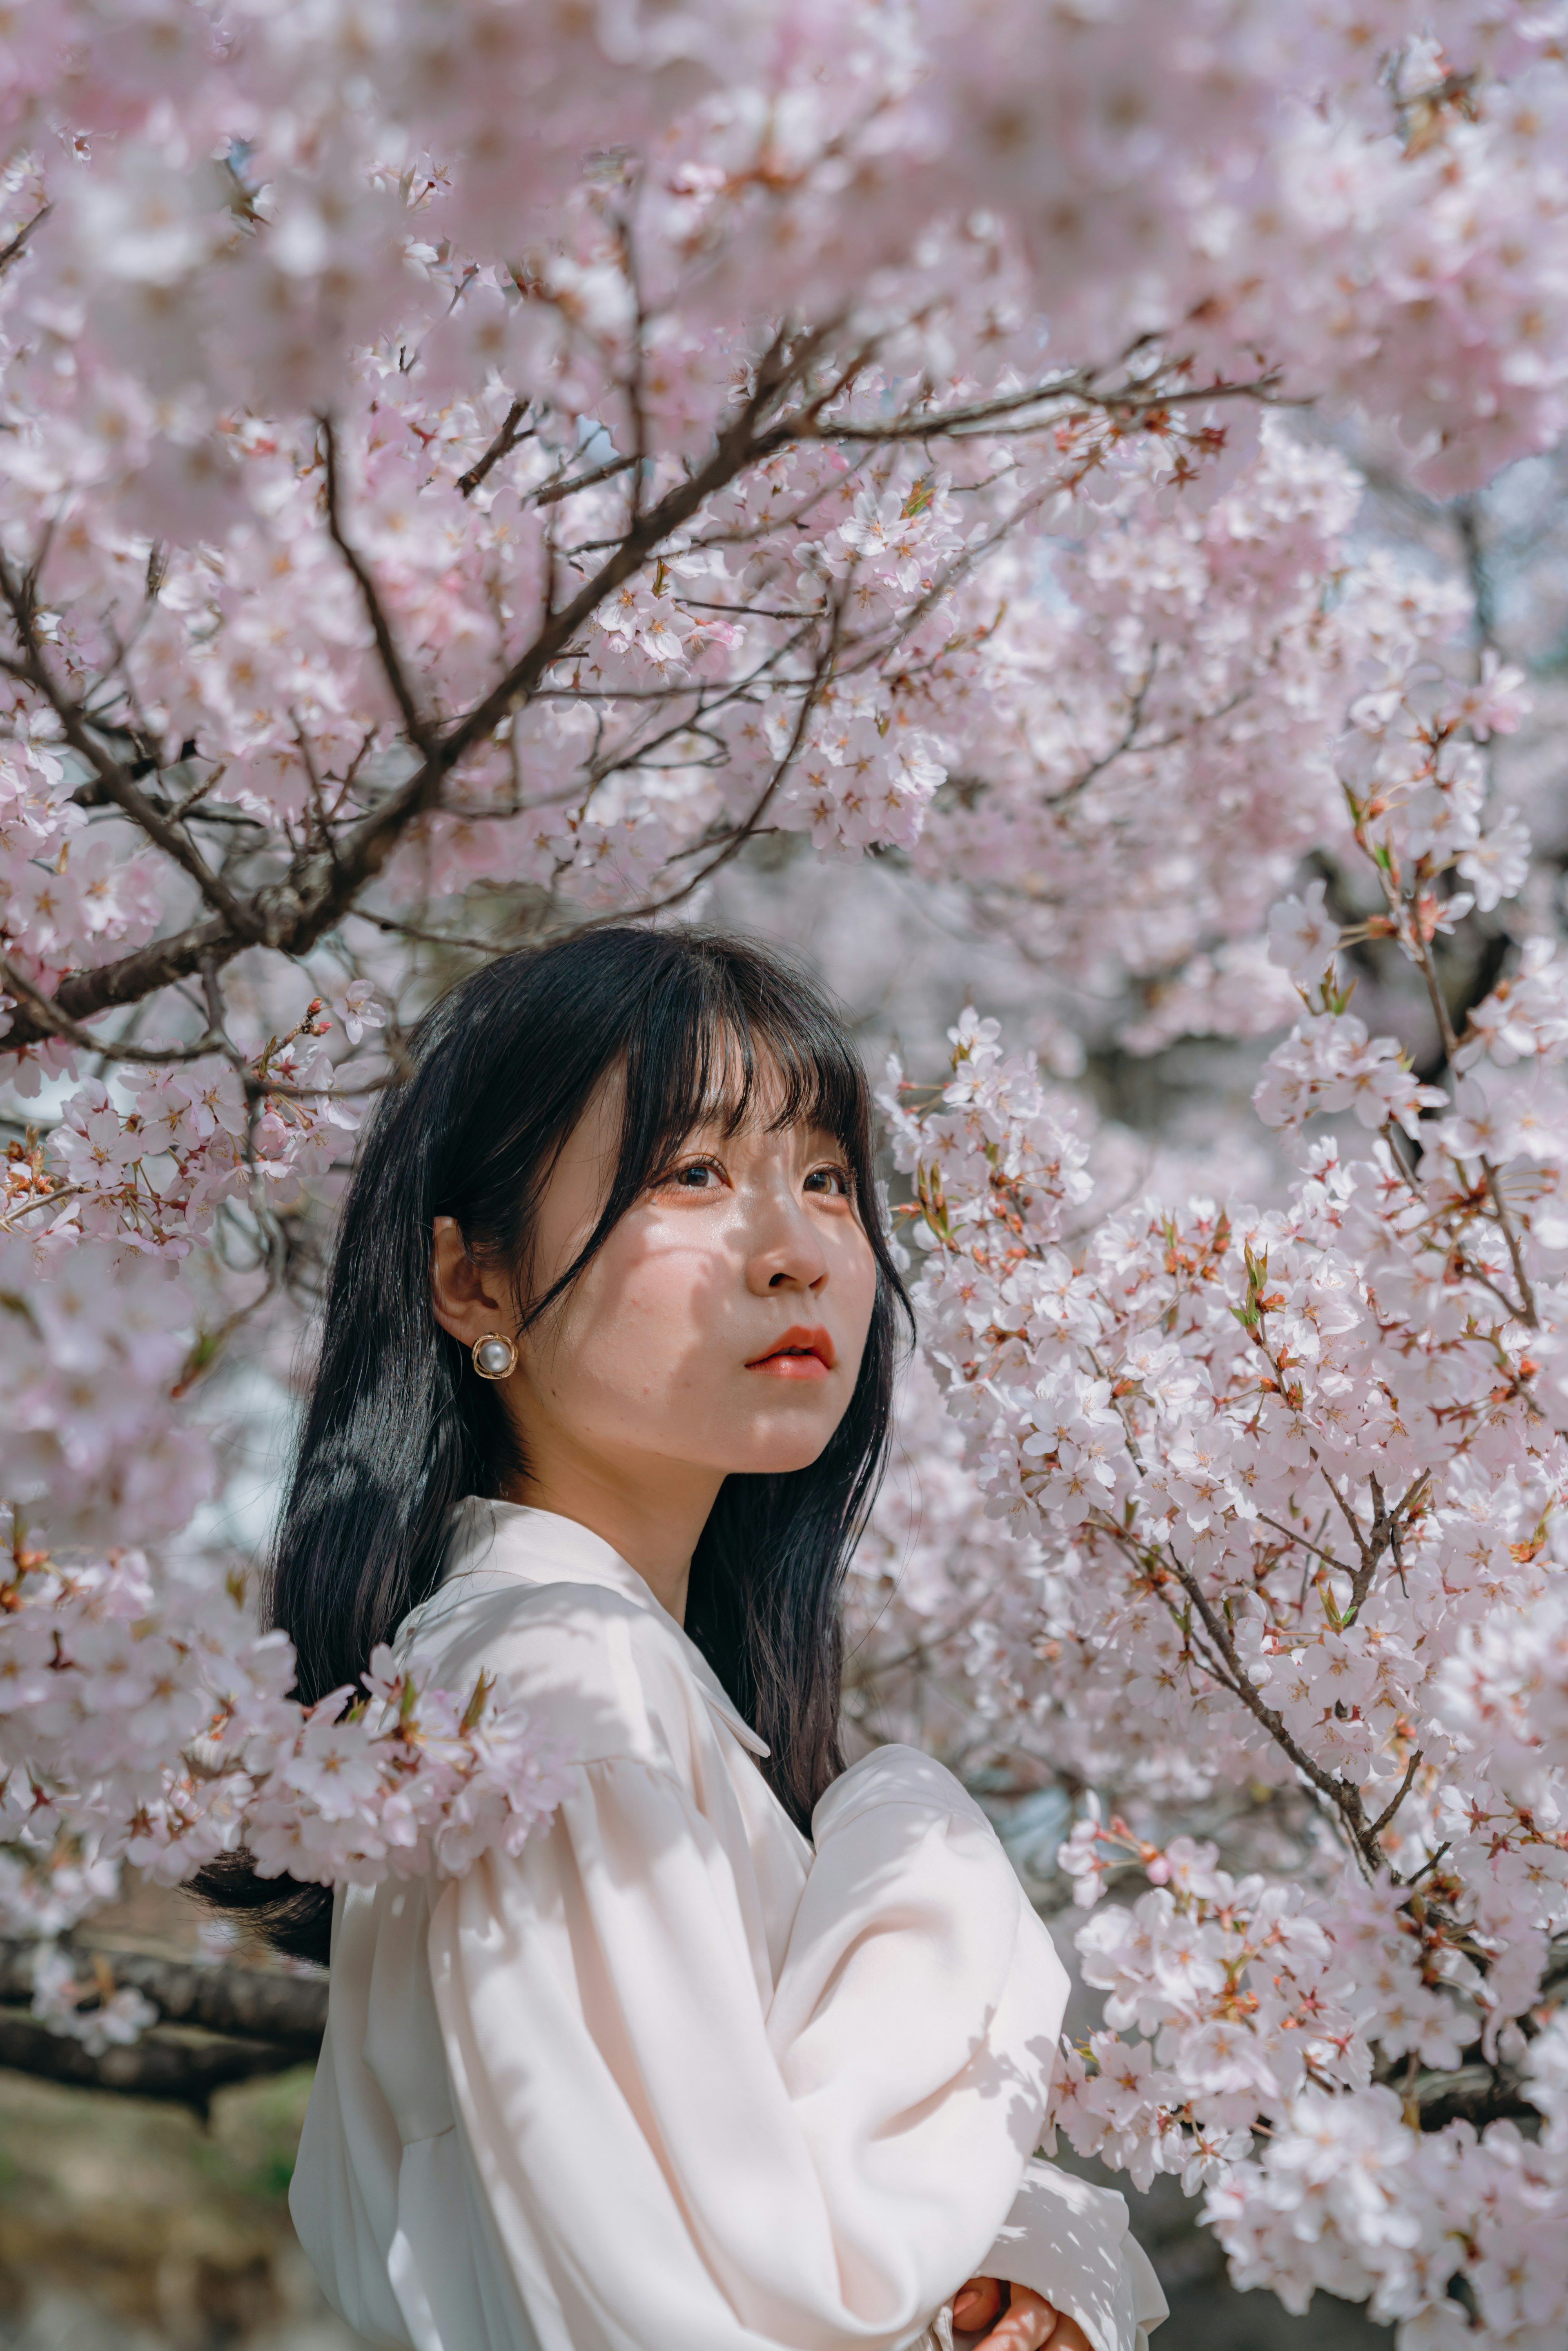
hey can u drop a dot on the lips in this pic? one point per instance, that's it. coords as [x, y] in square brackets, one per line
[803, 1352]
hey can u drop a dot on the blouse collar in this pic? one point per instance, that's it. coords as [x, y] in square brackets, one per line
[541, 1547]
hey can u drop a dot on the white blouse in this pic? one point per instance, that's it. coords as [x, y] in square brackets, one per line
[675, 2079]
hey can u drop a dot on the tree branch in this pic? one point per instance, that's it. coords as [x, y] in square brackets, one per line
[1384, 1817]
[1345, 1798]
[217, 2025]
[321, 885]
[176, 2066]
[414, 722]
[1525, 1310]
[61, 1024]
[262, 2003]
[15, 246]
[553, 496]
[117, 783]
[290, 914]
[507, 439]
[1472, 2094]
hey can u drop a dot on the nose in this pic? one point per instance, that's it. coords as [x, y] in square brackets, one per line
[787, 1252]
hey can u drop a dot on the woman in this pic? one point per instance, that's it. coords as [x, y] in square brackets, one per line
[744, 2052]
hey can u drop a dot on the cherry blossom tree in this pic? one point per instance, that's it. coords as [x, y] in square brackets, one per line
[1276, 1500]
[471, 470]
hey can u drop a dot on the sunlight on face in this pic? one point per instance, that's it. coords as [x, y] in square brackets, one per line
[721, 1325]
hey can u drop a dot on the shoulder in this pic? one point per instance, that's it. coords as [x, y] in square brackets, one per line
[902, 1777]
[600, 1672]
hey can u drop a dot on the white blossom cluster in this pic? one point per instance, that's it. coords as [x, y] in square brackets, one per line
[1094, 582]
[1295, 1479]
[143, 1718]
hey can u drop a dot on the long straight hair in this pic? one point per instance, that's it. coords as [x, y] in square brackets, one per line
[398, 1428]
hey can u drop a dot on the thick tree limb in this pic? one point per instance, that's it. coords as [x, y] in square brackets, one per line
[216, 2025]
[170, 2063]
[266, 2002]
[16, 981]
[1472, 2094]
[82, 994]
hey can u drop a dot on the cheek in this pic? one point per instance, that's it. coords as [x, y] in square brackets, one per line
[646, 1320]
[853, 1271]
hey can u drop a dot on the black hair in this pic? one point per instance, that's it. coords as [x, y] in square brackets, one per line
[398, 1428]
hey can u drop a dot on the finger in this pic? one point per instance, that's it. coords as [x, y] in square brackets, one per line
[1022, 2330]
[978, 2301]
[1027, 2325]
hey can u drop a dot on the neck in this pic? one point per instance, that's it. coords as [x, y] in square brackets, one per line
[653, 1521]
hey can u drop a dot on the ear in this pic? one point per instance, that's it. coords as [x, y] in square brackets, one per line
[465, 1298]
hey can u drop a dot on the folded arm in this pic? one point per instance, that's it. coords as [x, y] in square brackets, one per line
[672, 2157]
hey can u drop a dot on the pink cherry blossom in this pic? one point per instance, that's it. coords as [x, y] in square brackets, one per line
[887, 447]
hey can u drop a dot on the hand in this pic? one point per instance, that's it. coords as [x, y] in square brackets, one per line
[1025, 2320]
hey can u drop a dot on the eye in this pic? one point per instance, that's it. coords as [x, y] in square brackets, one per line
[694, 1175]
[832, 1182]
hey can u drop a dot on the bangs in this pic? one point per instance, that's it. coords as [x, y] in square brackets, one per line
[726, 1056]
[717, 1035]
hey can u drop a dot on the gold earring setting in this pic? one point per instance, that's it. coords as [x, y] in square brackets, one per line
[494, 1357]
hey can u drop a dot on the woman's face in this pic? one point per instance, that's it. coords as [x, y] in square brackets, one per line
[719, 1328]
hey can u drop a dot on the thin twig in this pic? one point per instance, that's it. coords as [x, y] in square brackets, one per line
[1235, 1677]
[1381, 1822]
[559, 490]
[1329, 1557]
[1524, 1310]
[58, 1023]
[118, 784]
[1429, 1865]
[17, 244]
[735, 840]
[414, 720]
[507, 439]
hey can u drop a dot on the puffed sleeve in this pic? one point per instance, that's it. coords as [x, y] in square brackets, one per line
[669, 2157]
[1067, 2238]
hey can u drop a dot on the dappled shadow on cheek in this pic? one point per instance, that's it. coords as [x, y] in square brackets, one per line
[663, 1332]
[658, 1315]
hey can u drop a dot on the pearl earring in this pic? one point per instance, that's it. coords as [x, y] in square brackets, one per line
[495, 1358]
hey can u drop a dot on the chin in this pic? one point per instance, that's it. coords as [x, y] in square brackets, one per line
[786, 1449]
